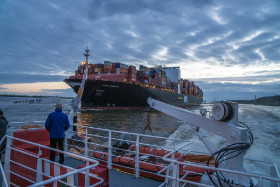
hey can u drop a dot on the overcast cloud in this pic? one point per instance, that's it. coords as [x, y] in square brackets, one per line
[230, 48]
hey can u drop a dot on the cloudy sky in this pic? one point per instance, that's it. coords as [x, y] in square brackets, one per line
[231, 49]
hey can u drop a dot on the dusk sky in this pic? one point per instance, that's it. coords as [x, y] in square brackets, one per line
[230, 49]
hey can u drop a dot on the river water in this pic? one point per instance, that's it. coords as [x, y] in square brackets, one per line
[262, 120]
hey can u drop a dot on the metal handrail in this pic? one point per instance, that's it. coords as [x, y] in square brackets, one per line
[123, 132]
[277, 171]
[110, 155]
[3, 174]
[1, 168]
[55, 179]
[172, 160]
[109, 138]
[2, 139]
[57, 150]
[12, 125]
[69, 174]
[107, 130]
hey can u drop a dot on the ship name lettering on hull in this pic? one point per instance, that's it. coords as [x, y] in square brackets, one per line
[97, 90]
[113, 86]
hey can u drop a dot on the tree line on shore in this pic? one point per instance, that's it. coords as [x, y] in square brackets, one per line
[270, 101]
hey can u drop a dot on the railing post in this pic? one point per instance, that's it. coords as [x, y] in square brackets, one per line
[5, 184]
[137, 157]
[260, 181]
[65, 144]
[87, 175]
[86, 142]
[174, 167]
[7, 161]
[109, 164]
[273, 173]
[39, 176]
[168, 173]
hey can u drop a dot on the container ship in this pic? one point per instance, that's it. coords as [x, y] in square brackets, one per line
[113, 85]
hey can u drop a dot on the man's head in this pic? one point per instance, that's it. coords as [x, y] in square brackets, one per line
[58, 105]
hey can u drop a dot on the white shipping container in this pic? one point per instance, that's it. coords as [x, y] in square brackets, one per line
[118, 70]
[108, 63]
[124, 66]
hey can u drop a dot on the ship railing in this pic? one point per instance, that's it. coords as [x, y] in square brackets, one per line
[89, 144]
[5, 183]
[32, 166]
[270, 166]
[100, 141]
[176, 179]
[15, 126]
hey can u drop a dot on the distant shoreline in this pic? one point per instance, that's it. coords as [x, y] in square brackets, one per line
[268, 101]
[12, 95]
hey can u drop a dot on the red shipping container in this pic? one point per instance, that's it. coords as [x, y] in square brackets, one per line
[107, 67]
[100, 170]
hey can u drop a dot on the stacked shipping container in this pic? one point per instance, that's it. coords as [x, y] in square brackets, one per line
[152, 77]
[131, 74]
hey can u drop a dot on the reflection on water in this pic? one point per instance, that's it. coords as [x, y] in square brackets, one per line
[130, 121]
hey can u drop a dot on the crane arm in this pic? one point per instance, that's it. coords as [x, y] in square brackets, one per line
[231, 132]
[221, 124]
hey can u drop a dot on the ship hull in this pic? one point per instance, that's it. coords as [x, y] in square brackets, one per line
[109, 95]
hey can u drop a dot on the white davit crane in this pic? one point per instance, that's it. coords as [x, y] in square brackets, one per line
[76, 101]
[223, 122]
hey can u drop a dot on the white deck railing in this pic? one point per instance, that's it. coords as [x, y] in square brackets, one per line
[90, 164]
[274, 177]
[14, 126]
[175, 177]
[5, 183]
[107, 137]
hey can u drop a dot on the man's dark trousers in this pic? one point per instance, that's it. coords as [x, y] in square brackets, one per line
[53, 143]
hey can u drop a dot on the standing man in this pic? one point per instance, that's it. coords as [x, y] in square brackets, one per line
[57, 123]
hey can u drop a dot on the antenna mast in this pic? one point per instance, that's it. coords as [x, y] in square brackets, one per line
[86, 54]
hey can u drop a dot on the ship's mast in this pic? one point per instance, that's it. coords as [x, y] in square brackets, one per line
[76, 101]
[86, 54]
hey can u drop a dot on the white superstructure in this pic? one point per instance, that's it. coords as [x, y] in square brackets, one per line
[173, 72]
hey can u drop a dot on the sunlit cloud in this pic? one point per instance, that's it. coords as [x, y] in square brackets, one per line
[161, 54]
[225, 42]
[218, 72]
[214, 13]
[251, 36]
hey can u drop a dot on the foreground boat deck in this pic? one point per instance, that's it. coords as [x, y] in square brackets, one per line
[117, 178]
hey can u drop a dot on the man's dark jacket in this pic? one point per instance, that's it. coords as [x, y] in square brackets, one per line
[57, 123]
